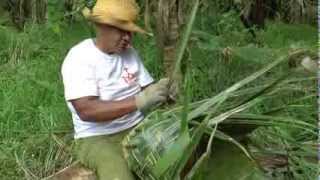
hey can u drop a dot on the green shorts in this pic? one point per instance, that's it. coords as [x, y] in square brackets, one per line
[104, 155]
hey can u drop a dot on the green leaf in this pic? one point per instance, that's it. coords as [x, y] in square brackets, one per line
[228, 163]
[173, 154]
[185, 39]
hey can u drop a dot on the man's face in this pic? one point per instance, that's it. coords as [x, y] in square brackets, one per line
[118, 40]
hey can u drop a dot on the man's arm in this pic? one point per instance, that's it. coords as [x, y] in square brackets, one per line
[95, 110]
[91, 108]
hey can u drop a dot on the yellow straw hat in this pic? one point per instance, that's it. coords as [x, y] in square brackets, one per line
[119, 13]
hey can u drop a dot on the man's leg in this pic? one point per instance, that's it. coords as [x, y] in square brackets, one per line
[104, 154]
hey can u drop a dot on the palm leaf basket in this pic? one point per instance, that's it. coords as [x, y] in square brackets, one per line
[160, 147]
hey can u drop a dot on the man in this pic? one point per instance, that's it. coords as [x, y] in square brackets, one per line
[107, 88]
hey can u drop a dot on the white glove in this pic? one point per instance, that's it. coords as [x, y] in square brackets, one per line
[153, 95]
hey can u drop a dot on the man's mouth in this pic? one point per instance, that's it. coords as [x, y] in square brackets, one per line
[125, 45]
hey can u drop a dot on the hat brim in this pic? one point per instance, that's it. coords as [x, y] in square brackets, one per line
[124, 25]
[127, 26]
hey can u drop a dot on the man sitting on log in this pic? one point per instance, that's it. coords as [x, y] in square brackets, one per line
[107, 88]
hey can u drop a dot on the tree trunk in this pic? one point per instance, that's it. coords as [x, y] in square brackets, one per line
[147, 15]
[297, 11]
[69, 7]
[23, 10]
[304, 11]
[41, 11]
[253, 13]
[168, 25]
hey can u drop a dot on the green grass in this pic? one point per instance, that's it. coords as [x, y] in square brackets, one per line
[35, 125]
[32, 104]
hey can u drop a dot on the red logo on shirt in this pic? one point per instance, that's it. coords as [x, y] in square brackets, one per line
[128, 77]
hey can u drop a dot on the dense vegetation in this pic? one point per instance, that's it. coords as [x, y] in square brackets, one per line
[36, 127]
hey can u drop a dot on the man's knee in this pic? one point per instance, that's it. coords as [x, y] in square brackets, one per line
[106, 159]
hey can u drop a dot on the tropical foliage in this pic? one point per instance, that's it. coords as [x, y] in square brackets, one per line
[247, 105]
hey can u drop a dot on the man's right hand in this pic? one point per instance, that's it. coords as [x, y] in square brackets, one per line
[153, 95]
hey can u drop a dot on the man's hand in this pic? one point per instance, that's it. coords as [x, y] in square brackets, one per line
[153, 95]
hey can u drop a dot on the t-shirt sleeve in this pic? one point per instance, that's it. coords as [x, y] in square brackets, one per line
[144, 77]
[78, 78]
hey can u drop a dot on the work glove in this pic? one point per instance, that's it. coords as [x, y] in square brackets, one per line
[153, 95]
[310, 65]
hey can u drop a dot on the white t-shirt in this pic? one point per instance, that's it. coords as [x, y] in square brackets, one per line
[87, 71]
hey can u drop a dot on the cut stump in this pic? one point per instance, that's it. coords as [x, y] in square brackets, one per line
[73, 172]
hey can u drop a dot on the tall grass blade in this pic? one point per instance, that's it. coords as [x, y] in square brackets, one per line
[205, 106]
[173, 154]
[186, 102]
[257, 119]
[185, 39]
[238, 109]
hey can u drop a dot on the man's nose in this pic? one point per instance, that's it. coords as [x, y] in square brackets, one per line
[127, 36]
